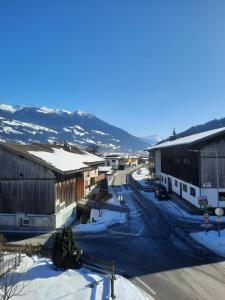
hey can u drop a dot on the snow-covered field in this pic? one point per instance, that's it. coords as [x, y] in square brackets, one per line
[211, 240]
[44, 282]
[103, 221]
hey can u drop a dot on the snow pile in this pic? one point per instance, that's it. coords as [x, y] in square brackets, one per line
[102, 222]
[65, 160]
[211, 240]
[44, 282]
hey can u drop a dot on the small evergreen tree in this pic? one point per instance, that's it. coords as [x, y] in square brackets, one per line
[64, 253]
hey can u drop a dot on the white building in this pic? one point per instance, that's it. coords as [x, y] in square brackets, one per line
[193, 166]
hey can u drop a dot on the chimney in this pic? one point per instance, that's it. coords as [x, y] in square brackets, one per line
[173, 136]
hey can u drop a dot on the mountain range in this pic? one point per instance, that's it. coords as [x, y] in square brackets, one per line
[34, 124]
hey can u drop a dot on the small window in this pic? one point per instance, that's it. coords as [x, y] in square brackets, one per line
[222, 196]
[184, 187]
[165, 179]
[192, 192]
[176, 183]
[113, 160]
[21, 174]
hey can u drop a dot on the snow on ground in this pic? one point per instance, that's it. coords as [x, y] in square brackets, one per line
[102, 222]
[29, 125]
[44, 282]
[141, 175]
[211, 240]
[106, 219]
[99, 132]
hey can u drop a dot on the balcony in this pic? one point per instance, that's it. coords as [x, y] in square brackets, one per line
[97, 179]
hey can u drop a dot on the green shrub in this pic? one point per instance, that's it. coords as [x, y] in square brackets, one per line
[64, 253]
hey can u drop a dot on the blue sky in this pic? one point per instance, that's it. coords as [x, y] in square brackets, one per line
[145, 66]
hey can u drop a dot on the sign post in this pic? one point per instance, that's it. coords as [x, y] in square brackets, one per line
[219, 212]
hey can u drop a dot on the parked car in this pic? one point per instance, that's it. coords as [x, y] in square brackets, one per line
[162, 195]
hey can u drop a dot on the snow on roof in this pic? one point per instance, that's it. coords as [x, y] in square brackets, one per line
[104, 168]
[189, 139]
[67, 161]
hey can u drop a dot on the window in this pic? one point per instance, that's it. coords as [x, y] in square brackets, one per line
[184, 187]
[113, 160]
[176, 183]
[192, 192]
[222, 196]
[165, 179]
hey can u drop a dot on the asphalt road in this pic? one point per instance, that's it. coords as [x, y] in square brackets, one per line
[150, 253]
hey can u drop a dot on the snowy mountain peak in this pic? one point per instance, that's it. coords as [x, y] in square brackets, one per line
[9, 108]
[29, 124]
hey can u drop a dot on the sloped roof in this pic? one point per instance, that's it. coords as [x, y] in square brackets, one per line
[191, 139]
[56, 157]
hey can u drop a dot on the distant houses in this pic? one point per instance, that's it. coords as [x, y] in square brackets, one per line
[40, 185]
[120, 161]
[193, 167]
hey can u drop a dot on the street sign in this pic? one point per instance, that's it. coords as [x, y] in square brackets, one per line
[206, 226]
[219, 211]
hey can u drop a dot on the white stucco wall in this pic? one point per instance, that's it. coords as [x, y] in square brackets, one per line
[209, 192]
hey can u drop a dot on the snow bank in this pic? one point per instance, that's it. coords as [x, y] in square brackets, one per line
[211, 240]
[47, 283]
[106, 219]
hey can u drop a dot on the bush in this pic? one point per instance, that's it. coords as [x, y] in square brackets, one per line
[64, 253]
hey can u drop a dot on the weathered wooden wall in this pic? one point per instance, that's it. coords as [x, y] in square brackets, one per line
[180, 163]
[69, 190]
[209, 151]
[25, 186]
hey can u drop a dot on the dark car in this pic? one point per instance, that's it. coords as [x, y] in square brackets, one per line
[162, 195]
[158, 187]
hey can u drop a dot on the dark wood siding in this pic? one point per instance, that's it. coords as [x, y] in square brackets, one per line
[209, 151]
[25, 186]
[181, 163]
[69, 190]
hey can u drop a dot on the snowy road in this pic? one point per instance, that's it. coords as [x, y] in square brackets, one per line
[148, 250]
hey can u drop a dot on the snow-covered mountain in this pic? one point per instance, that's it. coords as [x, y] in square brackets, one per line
[151, 139]
[29, 124]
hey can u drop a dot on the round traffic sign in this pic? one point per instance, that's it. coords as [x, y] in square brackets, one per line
[219, 211]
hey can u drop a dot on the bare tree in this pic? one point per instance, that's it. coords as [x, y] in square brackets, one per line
[12, 283]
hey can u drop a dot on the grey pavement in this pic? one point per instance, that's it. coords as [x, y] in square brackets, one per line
[155, 255]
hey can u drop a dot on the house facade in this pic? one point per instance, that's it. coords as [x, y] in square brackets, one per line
[193, 167]
[40, 185]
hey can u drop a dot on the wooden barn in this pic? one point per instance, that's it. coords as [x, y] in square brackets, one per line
[194, 166]
[41, 184]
